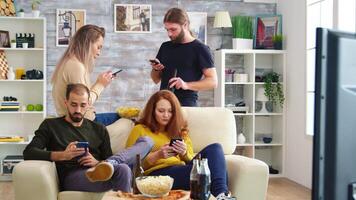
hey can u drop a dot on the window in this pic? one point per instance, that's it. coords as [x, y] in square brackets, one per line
[336, 14]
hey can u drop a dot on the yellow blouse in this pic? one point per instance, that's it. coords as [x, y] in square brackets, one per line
[159, 139]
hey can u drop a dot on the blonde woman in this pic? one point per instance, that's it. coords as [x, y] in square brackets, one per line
[76, 65]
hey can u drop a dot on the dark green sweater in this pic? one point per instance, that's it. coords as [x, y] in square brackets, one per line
[55, 135]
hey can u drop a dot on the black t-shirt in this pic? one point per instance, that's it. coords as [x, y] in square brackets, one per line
[189, 59]
[55, 135]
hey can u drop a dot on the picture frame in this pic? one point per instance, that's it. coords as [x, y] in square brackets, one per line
[4, 38]
[68, 21]
[198, 25]
[266, 26]
[132, 18]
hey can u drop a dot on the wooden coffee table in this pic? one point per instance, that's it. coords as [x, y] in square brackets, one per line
[111, 195]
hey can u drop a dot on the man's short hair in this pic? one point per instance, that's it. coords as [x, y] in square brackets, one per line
[78, 89]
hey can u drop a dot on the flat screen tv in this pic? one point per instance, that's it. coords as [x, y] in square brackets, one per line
[334, 150]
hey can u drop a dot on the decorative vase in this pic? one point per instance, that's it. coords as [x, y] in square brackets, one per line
[277, 45]
[25, 45]
[35, 13]
[21, 14]
[241, 139]
[10, 74]
[13, 45]
[240, 43]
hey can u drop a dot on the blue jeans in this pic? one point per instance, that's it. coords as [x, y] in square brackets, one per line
[106, 118]
[217, 166]
[122, 177]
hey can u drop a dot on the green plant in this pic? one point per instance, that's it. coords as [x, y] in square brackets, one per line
[13, 41]
[273, 88]
[35, 4]
[242, 27]
[277, 38]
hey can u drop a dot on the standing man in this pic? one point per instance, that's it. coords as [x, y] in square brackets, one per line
[183, 64]
[91, 170]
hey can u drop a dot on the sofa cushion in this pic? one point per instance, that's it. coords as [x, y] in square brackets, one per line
[119, 131]
[209, 125]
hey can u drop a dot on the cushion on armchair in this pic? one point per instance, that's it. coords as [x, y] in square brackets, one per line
[119, 131]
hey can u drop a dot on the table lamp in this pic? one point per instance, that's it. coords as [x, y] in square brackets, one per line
[222, 20]
[260, 96]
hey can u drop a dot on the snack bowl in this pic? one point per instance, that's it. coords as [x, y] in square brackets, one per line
[128, 112]
[154, 186]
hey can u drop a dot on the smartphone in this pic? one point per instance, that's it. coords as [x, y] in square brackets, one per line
[84, 145]
[115, 73]
[154, 61]
[173, 140]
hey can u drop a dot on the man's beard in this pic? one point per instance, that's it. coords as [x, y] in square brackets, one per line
[179, 38]
[77, 118]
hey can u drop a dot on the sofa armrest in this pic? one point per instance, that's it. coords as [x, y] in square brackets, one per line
[248, 177]
[35, 180]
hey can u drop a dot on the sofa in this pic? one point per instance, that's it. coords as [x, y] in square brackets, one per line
[248, 178]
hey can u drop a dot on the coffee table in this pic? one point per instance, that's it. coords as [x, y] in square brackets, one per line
[111, 195]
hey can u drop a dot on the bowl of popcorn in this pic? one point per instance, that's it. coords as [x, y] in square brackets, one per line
[154, 186]
[128, 112]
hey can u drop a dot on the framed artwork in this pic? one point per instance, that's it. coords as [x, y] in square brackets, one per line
[7, 8]
[266, 27]
[198, 25]
[4, 39]
[132, 18]
[68, 22]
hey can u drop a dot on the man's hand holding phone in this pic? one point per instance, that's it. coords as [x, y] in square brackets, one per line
[156, 64]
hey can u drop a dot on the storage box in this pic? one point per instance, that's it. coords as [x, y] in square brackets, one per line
[9, 162]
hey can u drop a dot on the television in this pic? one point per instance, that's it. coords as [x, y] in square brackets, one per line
[334, 150]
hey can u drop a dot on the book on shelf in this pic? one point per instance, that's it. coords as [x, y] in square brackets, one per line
[11, 139]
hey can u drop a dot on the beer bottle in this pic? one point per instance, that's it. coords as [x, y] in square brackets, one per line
[194, 180]
[137, 172]
[204, 180]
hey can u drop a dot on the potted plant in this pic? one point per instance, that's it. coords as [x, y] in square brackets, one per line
[277, 41]
[273, 88]
[242, 32]
[13, 43]
[34, 5]
[21, 13]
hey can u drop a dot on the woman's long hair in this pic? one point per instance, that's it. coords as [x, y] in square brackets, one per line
[176, 127]
[80, 47]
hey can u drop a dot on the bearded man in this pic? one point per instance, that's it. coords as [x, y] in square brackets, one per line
[183, 64]
[93, 168]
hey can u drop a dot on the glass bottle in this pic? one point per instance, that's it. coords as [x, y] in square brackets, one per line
[194, 180]
[204, 179]
[137, 172]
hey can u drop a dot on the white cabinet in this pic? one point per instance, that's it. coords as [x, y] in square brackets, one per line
[254, 124]
[23, 123]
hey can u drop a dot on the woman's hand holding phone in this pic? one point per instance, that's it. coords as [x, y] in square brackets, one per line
[179, 147]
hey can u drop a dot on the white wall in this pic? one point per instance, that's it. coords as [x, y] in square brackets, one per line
[299, 147]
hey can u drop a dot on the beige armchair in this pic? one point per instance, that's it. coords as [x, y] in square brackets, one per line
[248, 178]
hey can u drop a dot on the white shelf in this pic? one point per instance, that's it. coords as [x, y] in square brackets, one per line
[238, 83]
[24, 81]
[254, 125]
[268, 114]
[15, 143]
[21, 112]
[22, 49]
[23, 123]
[244, 145]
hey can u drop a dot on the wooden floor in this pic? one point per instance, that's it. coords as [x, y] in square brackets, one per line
[278, 189]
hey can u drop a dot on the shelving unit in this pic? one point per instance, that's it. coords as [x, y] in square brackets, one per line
[253, 124]
[23, 123]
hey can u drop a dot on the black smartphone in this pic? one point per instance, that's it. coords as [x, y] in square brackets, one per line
[154, 61]
[115, 73]
[173, 140]
[84, 145]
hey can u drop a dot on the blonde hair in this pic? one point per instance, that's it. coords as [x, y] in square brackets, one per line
[80, 47]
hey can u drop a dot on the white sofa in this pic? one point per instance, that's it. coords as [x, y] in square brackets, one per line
[248, 178]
